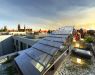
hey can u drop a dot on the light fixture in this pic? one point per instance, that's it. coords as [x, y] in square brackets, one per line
[82, 39]
[79, 60]
[62, 47]
[77, 45]
[74, 40]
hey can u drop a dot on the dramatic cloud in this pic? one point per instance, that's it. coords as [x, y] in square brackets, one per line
[46, 13]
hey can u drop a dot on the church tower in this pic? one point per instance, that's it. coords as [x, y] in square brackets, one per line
[24, 28]
[18, 27]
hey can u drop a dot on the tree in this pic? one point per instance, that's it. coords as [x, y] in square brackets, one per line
[40, 30]
[81, 32]
[49, 31]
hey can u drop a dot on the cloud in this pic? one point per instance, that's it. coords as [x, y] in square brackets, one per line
[79, 16]
[47, 12]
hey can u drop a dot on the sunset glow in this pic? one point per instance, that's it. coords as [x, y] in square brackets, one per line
[47, 14]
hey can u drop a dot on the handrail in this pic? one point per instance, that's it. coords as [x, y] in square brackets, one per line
[55, 61]
[4, 56]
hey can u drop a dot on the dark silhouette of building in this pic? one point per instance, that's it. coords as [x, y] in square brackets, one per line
[24, 29]
[18, 27]
[5, 28]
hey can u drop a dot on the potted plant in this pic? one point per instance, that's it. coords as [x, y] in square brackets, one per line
[89, 39]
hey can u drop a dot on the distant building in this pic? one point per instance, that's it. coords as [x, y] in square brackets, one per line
[24, 29]
[18, 27]
[5, 28]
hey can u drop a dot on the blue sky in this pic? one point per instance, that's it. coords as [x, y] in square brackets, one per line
[46, 13]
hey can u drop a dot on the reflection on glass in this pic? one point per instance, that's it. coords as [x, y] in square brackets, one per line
[37, 65]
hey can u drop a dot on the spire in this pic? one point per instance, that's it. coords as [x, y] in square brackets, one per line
[18, 27]
[24, 28]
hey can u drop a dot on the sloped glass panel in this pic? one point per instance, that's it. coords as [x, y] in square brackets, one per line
[39, 56]
[45, 48]
[55, 39]
[28, 66]
[51, 43]
[58, 36]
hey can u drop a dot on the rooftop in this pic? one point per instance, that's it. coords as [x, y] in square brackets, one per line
[44, 53]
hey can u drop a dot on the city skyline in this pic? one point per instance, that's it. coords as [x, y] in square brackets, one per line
[46, 14]
[86, 27]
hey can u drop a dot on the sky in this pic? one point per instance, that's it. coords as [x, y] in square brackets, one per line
[47, 14]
